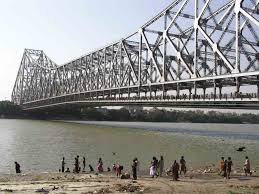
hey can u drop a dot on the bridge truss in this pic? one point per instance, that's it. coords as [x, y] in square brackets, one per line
[194, 53]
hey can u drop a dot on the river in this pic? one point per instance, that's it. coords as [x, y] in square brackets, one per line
[40, 145]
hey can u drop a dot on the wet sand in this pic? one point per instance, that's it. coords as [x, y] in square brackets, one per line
[62, 183]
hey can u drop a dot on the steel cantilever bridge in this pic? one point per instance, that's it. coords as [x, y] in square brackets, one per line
[194, 53]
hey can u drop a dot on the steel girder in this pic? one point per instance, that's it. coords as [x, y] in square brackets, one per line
[191, 45]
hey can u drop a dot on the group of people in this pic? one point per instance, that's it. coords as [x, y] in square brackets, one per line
[156, 168]
[77, 167]
[117, 168]
[226, 167]
[176, 168]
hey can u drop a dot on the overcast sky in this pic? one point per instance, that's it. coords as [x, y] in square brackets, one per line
[65, 29]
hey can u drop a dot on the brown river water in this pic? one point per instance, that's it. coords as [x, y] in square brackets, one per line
[40, 145]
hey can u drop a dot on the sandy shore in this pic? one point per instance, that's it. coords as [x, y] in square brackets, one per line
[209, 183]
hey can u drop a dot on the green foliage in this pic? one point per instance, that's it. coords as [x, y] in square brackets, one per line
[10, 110]
[158, 115]
[92, 114]
[7, 108]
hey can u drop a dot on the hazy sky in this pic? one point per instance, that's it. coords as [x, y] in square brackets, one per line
[65, 29]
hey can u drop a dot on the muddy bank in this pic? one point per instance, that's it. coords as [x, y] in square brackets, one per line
[194, 182]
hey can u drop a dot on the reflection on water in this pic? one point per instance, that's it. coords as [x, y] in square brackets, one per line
[40, 145]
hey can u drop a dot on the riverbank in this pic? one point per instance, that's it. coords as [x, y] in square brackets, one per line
[202, 183]
[8, 110]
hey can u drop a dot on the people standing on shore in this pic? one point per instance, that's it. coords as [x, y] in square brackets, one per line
[175, 170]
[114, 167]
[134, 168]
[76, 170]
[91, 168]
[161, 166]
[225, 169]
[153, 168]
[183, 165]
[100, 165]
[138, 166]
[119, 169]
[63, 164]
[17, 168]
[247, 167]
[75, 164]
[78, 165]
[83, 164]
[156, 166]
[221, 166]
[229, 167]
[68, 170]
